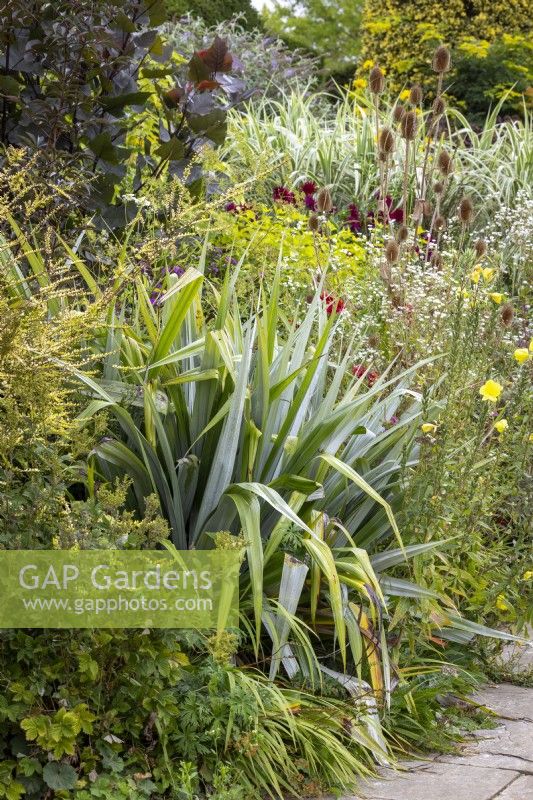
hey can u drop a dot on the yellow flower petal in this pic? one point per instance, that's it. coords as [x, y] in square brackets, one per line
[501, 425]
[428, 427]
[496, 297]
[521, 354]
[491, 390]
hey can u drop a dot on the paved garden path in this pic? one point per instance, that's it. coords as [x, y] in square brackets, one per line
[496, 765]
[493, 765]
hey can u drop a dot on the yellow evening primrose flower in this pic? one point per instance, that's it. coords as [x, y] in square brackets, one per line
[428, 427]
[359, 83]
[531, 346]
[527, 576]
[501, 425]
[488, 274]
[404, 94]
[368, 64]
[530, 438]
[496, 297]
[475, 275]
[521, 354]
[491, 390]
[501, 604]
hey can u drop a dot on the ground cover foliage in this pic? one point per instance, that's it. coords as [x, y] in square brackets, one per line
[308, 339]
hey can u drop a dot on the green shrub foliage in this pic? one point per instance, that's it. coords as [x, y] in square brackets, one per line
[402, 35]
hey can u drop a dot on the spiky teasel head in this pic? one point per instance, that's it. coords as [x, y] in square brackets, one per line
[440, 222]
[438, 187]
[376, 80]
[507, 314]
[436, 260]
[445, 163]
[403, 233]
[439, 106]
[466, 211]
[392, 251]
[409, 125]
[415, 95]
[398, 113]
[441, 59]
[324, 203]
[386, 141]
[313, 223]
[481, 248]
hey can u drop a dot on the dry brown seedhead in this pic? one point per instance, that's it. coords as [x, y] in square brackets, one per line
[403, 233]
[441, 59]
[376, 80]
[507, 314]
[440, 223]
[466, 211]
[398, 113]
[438, 188]
[416, 95]
[436, 260]
[386, 141]
[445, 163]
[409, 125]
[480, 247]
[392, 251]
[439, 106]
[324, 203]
[313, 222]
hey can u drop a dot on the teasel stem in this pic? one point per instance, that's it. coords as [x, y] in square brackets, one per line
[405, 180]
[380, 165]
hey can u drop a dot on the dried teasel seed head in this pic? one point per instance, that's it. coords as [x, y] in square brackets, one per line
[436, 260]
[398, 113]
[438, 188]
[441, 59]
[440, 223]
[507, 314]
[427, 208]
[403, 233]
[392, 251]
[376, 80]
[409, 125]
[313, 222]
[324, 202]
[480, 247]
[439, 106]
[386, 141]
[445, 163]
[416, 95]
[373, 340]
[466, 211]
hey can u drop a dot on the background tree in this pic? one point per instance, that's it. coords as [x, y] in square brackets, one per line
[327, 28]
[214, 11]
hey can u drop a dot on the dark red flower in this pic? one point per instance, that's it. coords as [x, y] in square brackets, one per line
[372, 377]
[309, 187]
[333, 304]
[283, 195]
[354, 218]
[358, 370]
[310, 202]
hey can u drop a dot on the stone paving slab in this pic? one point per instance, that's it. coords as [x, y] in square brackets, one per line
[519, 789]
[493, 765]
[440, 782]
